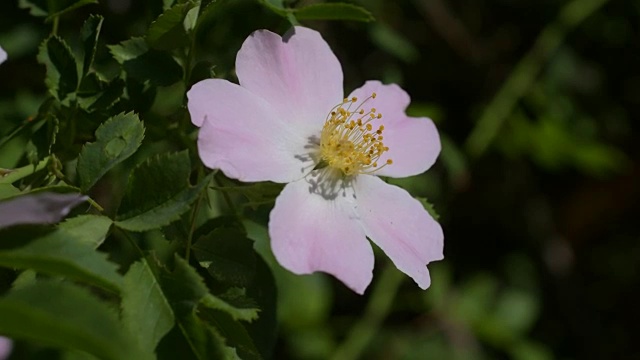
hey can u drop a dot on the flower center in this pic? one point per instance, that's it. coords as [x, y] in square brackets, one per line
[348, 141]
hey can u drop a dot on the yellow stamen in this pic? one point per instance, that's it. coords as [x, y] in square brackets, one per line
[348, 142]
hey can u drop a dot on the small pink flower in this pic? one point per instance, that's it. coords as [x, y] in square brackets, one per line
[287, 122]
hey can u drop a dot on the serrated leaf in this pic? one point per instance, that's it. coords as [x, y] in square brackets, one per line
[158, 193]
[89, 33]
[116, 139]
[235, 334]
[429, 207]
[227, 255]
[65, 316]
[62, 69]
[90, 229]
[143, 63]
[57, 252]
[333, 11]
[146, 311]
[243, 310]
[257, 290]
[184, 290]
[168, 32]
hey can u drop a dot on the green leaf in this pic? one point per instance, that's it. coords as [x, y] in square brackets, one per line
[66, 316]
[116, 139]
[192, 338]
[143, 63]
[66, 6]
[90, 32]
[429, 207]
[146, 311]
[333, 11]
[36, 7]
[168, 31]
[57, 252]
[249, 290]
[276, 6]
[227, 255]
[62, 69]
[235, 303]
[90, 229]
[158, 193]
[235, 333]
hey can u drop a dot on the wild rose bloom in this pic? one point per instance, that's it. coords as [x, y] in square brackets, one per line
[3, 55]
[288, 122]
[37, 208]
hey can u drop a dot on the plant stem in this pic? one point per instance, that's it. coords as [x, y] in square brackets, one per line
[192, 225]
[13, 175]
[525, 72]
[377, 309]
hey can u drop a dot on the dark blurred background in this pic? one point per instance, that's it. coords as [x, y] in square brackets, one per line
[537, 186]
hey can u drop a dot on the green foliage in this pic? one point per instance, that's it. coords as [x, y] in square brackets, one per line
[158, 193]
[145, 64]
[66, 316]
[62, 69]
[168, 31]
[90, 32]
[58, 252]
[116, 140]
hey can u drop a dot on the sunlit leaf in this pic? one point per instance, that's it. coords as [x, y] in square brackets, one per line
[168, 31]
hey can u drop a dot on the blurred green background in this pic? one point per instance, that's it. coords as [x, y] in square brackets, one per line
[537, 186]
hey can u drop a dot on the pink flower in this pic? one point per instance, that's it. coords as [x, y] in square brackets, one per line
[5, 347]
[287, 122]
[3, 55]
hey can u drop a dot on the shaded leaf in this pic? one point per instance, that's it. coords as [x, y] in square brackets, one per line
[158, 193]
[168, 31]
[62, 70]
[90, 32]
[227, 255]
[429, 207]
[65, 316]
[116, 139]
[143, 63]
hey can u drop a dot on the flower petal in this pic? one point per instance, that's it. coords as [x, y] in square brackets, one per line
[242, 136]
[414, 143]
[297, 74]
[3, 55]
[37, 208]
[400, 226]
[310, 233]
[6, 345]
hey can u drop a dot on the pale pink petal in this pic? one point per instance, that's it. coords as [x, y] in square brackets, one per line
[400, 226]
[3, 55]
[311, 232]
[38, 208]
[414, 143]
[5, 347]
[242, 136]
[297, 74]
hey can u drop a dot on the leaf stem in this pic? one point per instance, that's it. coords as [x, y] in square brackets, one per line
[192, 225]
[525, 73]
[10, 176]
[377, 309]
